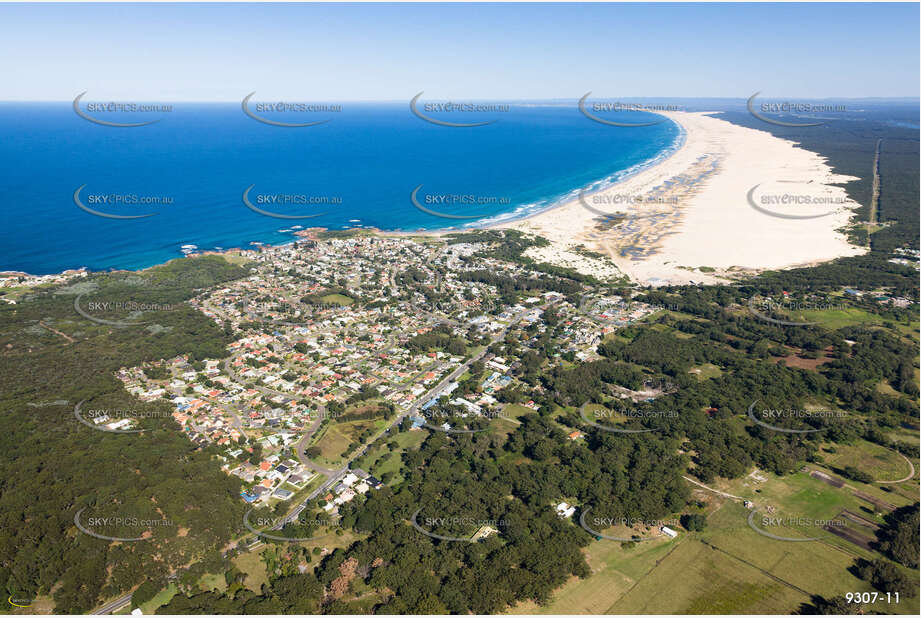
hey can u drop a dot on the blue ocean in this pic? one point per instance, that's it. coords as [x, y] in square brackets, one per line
[190, 169]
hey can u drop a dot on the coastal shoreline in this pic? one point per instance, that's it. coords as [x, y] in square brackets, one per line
[699, 192]
[694, 217]
[653, 243]
[488, 223]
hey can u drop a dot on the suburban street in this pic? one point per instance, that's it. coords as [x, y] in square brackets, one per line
[335, 476]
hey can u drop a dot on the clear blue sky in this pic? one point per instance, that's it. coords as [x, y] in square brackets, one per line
[221, 52]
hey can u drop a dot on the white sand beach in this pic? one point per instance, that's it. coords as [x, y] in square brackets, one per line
[723, 202]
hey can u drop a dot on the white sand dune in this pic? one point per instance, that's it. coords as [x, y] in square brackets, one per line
[693, 210]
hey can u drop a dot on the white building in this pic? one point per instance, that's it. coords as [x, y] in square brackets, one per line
[122, 424]
[565, 511]
[470, 407]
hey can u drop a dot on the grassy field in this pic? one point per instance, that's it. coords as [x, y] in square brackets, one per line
[834, 319]
[706, 371]
[819, 567]
[699, 579]
[616, 337]
[382, 459]
[514, 410]
[898, 494]
[508, 421]
[910, 330]
[822, 565]
[598, 414]
[337, 437]
[877, 461]
[614, 571]
[805, 495]
[503, 426]
[665, 328]
[251, 564]
[328, 539]
[727, 568]
[800, 495]
[330, 445]
[235, 259]
[161, 598]
[15, 293]
[213, 581]
[668, 576]
[903, 434]
[886, 389]
[337, 299]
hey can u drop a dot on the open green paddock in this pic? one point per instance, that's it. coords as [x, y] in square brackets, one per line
[615, 570]
[337, 437]
[381, 458]
[881, 463]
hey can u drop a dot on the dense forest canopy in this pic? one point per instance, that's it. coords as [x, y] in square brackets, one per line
[54, 466]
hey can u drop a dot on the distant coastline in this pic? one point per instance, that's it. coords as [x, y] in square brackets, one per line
[663, 244]
[568, 223]
[513, 217]
[530, 160]
[661, 226]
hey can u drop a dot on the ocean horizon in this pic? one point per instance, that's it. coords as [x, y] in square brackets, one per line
[184, 176]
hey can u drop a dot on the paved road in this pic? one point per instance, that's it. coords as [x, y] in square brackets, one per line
[334, 476]
[301, 446]
[120, 602]
[112, 606]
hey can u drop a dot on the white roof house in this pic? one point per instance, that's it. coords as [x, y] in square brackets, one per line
[564, 510]
[123, 423]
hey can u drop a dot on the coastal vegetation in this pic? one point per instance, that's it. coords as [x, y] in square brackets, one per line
[849, 148]
[54, 466]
